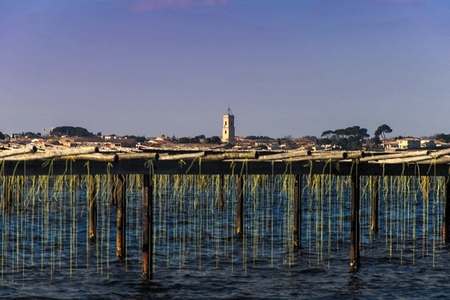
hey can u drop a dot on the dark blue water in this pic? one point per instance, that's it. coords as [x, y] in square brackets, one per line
[45, 254]
[379, 277]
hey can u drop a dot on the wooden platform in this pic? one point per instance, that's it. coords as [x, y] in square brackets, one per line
[91, 160]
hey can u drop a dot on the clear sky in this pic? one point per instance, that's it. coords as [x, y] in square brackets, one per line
[286, 67]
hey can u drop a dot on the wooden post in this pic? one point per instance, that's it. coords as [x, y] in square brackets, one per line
[147, 228]
[375, 205]
[446, 231]
[240, 206]
[114, 192]
[121, 217]
[221, 192]
[354, 226]
[92, 201]
[7, 193]
[297, 211]
[19, 188]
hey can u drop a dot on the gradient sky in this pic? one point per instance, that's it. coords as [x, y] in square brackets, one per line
[286, 67]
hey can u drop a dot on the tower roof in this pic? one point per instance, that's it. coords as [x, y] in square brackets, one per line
[229, 112]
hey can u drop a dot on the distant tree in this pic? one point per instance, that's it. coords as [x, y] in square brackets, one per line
[310, 138]
[382, 130]
[71, 131]
[325, 141]
[200, 137]
[346, 138]
[30, 134]
[2, 136]
[139, 139]
[214, 140]
[258, 137]
[327, 133]
[185, 140]
[376, 140]
[443, 137]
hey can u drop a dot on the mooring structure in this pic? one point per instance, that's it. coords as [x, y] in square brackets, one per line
[91, 161]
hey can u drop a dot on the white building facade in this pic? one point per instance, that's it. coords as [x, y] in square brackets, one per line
[228, 128]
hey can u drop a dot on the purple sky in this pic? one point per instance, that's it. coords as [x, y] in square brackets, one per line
[291, 67]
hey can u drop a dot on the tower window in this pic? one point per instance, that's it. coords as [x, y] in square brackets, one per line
[225, 132]
[226, 123]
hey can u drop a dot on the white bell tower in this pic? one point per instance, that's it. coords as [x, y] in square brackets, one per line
[228, 133]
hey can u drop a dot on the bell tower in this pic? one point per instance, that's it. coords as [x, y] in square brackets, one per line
[228, 133]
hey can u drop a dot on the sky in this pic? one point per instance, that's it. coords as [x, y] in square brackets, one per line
[285, 67]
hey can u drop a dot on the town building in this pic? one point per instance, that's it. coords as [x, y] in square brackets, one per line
[228, 130]
[428, 144]
[390, 144]
[409, 144]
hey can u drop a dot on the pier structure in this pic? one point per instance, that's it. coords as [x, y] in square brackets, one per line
[89, 161]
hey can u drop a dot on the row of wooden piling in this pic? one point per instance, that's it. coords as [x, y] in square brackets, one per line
[355, 228]
[119, 199]
[119, 195]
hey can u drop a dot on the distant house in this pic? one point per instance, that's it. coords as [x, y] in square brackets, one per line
[428, 144]
[409, 144]
[40, 143]
[67, 142]
[110, 137]
[308, 143]
[317, 147]
[275, 146]
[442, 144]
[390, 144]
